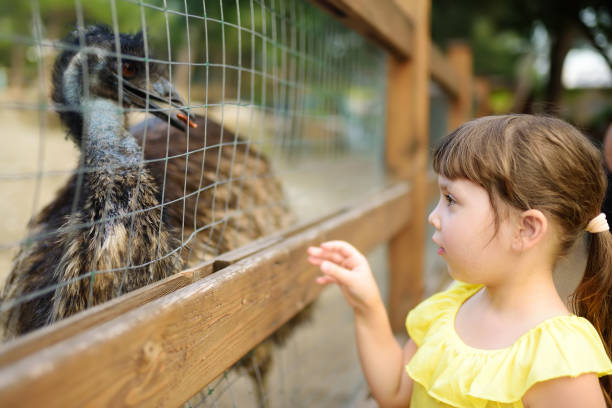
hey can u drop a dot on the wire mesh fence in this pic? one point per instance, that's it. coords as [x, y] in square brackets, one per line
[143, 137]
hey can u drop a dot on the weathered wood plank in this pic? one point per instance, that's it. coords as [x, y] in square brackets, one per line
[161, 353]
[407, 148]
[47, 336]
[391, 27]
[443, 72]
[381, 21]
[50, 335]
[460, 56]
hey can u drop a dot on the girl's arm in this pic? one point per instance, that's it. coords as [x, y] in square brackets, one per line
[382, 358]
[566, 392]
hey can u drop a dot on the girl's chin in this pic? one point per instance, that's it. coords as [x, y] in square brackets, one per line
[465, 278]
[455, 275]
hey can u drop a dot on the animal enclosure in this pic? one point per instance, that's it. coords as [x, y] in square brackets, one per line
[195, 162]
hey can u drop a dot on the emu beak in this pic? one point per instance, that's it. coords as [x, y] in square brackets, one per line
[165, 89]
[161, 91]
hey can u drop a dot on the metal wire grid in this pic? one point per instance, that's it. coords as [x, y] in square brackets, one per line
[299, 89]
[290, 82]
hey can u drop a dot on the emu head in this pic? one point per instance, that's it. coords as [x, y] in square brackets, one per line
[90, 67]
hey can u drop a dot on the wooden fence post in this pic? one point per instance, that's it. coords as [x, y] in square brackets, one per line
[407, 158]
[460, 57]
[482, 88]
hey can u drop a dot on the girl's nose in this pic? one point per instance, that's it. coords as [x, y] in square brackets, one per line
[433, 218]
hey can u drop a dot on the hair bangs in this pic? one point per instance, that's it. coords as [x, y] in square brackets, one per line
[473, 152]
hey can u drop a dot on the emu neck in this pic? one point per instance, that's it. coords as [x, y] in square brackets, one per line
[106, 144]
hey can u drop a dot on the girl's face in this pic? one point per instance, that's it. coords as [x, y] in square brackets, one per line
[465, 232]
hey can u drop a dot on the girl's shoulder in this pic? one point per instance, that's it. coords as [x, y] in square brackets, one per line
[558, 347]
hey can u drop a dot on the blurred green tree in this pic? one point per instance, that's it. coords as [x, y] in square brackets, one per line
[502, 32]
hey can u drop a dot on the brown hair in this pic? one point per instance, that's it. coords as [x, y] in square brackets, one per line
[543, 163]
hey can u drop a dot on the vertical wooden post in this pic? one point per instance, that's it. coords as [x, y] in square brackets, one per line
[460, 57]
[482, 88]
[407, 157]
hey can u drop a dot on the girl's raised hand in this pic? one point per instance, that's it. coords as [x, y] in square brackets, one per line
[344, 265]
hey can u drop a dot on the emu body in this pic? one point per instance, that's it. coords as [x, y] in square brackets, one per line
[103, 235]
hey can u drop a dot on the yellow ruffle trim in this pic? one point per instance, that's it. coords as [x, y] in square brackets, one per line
[462, 376]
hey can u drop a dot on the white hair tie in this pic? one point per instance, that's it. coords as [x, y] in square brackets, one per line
[598, 224]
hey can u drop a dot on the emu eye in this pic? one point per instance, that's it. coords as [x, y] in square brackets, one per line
[129, 69]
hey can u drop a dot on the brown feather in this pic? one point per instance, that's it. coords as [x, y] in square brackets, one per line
[248, 199]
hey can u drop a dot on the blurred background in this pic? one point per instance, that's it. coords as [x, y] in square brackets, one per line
[532, 56]
[536, 56]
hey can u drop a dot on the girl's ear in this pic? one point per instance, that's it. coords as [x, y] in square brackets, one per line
[532, 227]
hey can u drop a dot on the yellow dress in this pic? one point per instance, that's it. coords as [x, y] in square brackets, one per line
[449, 373]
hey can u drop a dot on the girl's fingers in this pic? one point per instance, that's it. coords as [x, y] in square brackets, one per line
[314, 250]
[325, 280]
[341, 246]
[351, 255]
[315, 261]
[339, 274]
[327, 255]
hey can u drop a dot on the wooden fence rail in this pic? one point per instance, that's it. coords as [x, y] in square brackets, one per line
[384, 22]
[163, 352]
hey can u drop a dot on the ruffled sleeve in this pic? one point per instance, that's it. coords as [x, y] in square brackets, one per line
[461, 376]
[564, 346]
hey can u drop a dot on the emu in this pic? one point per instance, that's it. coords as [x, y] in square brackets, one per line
[119, 222]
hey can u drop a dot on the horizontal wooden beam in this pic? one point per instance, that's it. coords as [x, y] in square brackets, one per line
[390, 26]
[382, 21]
[49, 335]
[163, 352]
[443, 72]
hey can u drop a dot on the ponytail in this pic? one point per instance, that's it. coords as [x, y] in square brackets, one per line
[593, 296]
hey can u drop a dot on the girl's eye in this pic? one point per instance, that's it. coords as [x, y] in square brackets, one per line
[449, 199]
[129, 69]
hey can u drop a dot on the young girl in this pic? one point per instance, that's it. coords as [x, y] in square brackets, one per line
[515, 193]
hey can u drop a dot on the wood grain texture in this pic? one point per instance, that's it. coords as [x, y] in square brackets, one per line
[381, 21]
[407, 150]
[161, 353]
[443, 72]
[49, 335]
[460, 56]
[390, 25]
